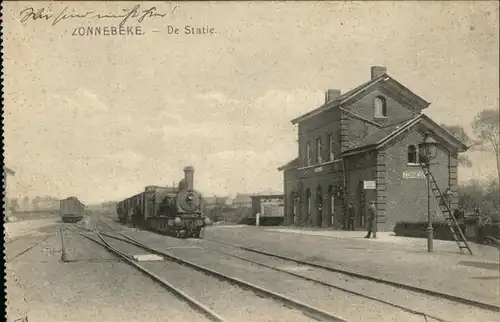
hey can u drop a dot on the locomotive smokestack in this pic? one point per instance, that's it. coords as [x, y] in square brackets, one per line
[188, 177]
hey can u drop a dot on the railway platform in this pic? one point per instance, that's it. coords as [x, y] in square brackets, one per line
[397, 259]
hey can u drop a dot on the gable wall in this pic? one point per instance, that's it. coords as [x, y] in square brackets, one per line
[406, 198]
[397, 110]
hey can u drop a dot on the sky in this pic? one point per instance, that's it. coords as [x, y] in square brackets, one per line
[101, 117]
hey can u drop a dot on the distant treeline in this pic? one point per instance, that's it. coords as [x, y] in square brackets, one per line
[38, 203]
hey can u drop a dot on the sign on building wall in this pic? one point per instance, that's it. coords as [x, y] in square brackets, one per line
[416, 174]
[369, 185]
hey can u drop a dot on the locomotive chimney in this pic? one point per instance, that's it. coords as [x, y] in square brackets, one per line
[188, 177]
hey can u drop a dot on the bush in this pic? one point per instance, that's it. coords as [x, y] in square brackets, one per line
[419, 229]
[442, 231]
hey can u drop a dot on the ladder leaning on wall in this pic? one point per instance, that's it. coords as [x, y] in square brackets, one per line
[458, 235]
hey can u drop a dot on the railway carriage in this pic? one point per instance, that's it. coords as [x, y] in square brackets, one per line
[175, 211]
[71, 209]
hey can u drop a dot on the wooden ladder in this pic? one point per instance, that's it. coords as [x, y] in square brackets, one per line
[458, 235]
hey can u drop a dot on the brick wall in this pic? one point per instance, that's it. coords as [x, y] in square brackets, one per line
[320, 126]
[290, 185]
[406, 198]
[355, 130]
[360, 167]
[397, 110]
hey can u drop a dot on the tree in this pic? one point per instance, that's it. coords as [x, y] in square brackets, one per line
[459, 132]
[486, 127]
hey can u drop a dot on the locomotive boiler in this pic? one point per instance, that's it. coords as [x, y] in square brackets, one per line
[175, 211]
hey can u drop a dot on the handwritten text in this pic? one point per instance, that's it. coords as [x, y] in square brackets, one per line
[31, 14]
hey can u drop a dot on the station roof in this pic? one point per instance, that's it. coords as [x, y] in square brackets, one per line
[267, 193]
[290, 165]
[361, 90]
[385, 134]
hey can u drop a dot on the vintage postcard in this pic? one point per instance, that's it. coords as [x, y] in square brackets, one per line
[251, 161]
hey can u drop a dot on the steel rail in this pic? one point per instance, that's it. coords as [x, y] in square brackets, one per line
[450, 297]
[425, 315]
[307, 310]
[28, 249]
[206, 311]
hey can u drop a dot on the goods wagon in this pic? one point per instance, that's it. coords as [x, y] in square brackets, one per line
[71, 209]
[175, 211]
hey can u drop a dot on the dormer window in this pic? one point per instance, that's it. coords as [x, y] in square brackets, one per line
[412, 154]
[380, 107]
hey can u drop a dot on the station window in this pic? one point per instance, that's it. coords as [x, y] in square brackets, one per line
[412, 154]
[319, 150]
[331, 154]
[308, 153]
[380, 107]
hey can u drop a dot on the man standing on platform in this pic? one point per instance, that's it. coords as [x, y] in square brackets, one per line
[372, 214]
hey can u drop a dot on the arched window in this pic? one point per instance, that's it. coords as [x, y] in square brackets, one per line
[319, 197]
[412, 154]
[319, 206]
[319, 151]
[331, 154]
[308, 153]
[380, 107]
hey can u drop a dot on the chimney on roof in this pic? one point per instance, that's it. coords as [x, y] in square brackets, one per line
[376, 71]
[331, 94]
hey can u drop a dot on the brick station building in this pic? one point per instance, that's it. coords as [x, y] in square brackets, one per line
[361, 146]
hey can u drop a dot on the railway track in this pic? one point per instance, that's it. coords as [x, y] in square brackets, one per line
[443, 308]
[449, 297]
[25, 249]
[306, 310]
[199, 307]
[286, 303]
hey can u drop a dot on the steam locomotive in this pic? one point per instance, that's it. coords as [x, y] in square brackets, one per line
[174, 211]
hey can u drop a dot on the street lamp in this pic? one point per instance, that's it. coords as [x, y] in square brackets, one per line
[427, 151]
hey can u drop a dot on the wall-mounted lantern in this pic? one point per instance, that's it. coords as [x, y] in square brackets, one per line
[427, 149]
[339, 191]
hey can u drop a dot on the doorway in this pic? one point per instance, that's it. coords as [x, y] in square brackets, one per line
[331, 197]
[367, 193]
[319, 207]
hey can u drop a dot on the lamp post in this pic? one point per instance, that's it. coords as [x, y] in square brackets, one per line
[427, 151]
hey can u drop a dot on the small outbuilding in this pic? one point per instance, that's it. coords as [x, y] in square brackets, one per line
[270, 206]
